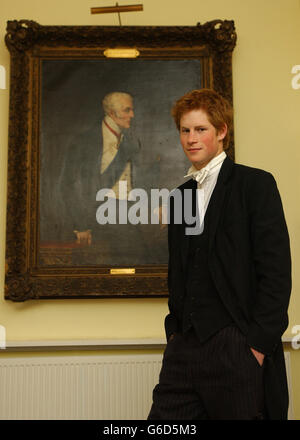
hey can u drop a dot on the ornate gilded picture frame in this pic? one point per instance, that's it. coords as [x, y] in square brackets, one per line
[65, 147]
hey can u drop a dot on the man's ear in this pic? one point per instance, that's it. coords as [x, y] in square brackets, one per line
[111, 113]
[222, 132]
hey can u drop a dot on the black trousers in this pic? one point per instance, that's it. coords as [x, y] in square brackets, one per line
[218, 380]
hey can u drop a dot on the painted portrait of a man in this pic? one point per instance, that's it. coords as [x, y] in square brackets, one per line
[106, 125]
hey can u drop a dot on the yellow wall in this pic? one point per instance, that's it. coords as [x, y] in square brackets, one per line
[267, 131]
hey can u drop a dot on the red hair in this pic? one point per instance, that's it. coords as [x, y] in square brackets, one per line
[218, 109]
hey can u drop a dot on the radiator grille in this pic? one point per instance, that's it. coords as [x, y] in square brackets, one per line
[82, 388]
[98, 387]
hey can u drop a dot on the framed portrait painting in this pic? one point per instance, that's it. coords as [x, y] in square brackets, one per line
[94, 152]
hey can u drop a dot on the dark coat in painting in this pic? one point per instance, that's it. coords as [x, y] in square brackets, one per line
[81, 178]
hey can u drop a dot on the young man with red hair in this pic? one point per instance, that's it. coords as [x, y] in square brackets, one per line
[229, 284]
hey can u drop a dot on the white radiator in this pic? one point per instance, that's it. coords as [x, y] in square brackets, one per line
[82, 388]
[287, 358]
[98, 387]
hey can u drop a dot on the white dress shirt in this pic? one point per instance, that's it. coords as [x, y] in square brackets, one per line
[206, 181]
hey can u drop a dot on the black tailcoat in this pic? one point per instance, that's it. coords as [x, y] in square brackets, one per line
[250, 264]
